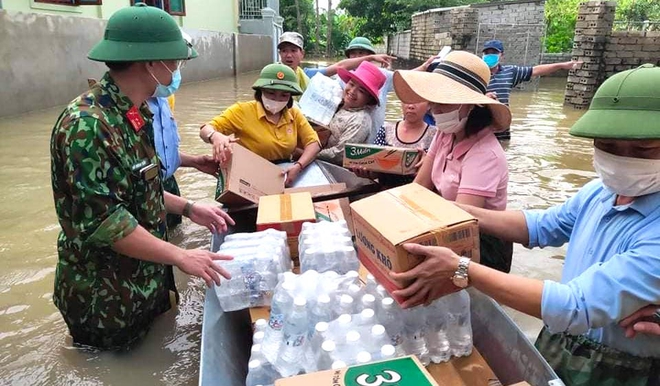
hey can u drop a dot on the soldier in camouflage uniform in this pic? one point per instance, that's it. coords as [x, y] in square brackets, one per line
[113, 275]
[595, 330]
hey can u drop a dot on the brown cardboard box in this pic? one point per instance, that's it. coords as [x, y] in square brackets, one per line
[286, 212]
[406, 371]
[246, 177]
[331, 210]
[384, 159]
[408, 214]
[464, 371]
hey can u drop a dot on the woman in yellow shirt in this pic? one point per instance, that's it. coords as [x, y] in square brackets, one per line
[267, 126]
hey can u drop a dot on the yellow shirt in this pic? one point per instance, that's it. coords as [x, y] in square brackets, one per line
[247, 121]
[171, 102]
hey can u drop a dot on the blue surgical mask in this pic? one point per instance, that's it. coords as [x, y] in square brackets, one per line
[163, 91]
[491, 60]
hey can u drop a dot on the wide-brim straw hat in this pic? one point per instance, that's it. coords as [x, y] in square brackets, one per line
[460, 78]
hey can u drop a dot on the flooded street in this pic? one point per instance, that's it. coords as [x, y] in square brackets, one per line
[546, 167]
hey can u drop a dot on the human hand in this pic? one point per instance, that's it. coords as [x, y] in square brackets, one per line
[201, 263]
[206, 164]
[222, 146]
[362, 172]
[384, 59]
[492, 95]
[645, 321]
[431, 279]
[210, 216]
[292, 173]
[572, 65]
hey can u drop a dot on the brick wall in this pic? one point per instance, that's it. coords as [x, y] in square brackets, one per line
[557, 58]
[399, 45]
[628, 49]
[427, 31]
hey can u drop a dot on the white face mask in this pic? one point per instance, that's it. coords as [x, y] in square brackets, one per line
[627, 176]
[450, 122]
[273, 106]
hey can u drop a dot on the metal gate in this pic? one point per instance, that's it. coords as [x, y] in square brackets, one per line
[524, 44]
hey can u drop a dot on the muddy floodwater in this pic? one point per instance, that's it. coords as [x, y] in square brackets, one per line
[546, 167]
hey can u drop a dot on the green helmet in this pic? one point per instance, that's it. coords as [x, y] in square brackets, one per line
[626, 106]
[360, 43]
[141, 33]
[280, 77]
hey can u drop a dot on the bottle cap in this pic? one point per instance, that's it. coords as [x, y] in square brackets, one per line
[377, 330]
[328, 345]
[323, 299]
[254, 364]
[387, 351]
[368, 299]
[344, 319]
[338, 365]
[352, 337]
[387, 303]
[346, 299]
[260, 323]
[300, 301]
[258, 336]
[321, 327]
[363, 357]
[256, 348]
[367, 313]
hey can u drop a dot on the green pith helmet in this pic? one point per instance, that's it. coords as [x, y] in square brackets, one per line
[626, 106]
[141, 33]
[360, 43]
[280, 77]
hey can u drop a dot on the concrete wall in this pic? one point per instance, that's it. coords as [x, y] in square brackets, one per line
[399, 45]
[557, 58]
[518, 24]
[212, 15]
[604, 51]
[45, 58]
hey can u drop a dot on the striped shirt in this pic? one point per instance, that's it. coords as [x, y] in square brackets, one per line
[507, 78]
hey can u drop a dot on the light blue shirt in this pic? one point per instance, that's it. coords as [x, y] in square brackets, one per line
[311, 71]
[612, 265]
[166, 136]
[378, 113]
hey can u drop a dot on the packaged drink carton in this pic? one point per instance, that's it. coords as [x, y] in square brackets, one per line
[405, 371]
[286, 212]
[413, 214]
[384, 159]
[328, 210]
[246, 177]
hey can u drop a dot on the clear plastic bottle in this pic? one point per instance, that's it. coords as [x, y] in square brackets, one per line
[459, 326]
[436, 336]
[367, 318]
[346, 304]
[387, 352]
[326, 356]
[415, 334]
[258, 337]
[279, 309]
[338, 365]
[319, 336]
[371, 284]
[393, 323]
[293, 347]
[377, 339]
[363, 357]
[368, 301]
[322, 311]
[255, 353]
[258, 374]
[343, 326]
[349, 351]
[260, 325]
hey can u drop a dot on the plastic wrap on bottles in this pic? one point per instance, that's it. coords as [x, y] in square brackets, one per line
[321, 99]
[327, 246]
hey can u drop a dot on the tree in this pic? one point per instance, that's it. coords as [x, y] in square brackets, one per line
[298, 18]
[318, 28]
[561, 16]
[328, 46]
[303, 24]
[383, 17]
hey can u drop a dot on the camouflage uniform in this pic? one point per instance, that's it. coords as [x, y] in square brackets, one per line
[108, 300]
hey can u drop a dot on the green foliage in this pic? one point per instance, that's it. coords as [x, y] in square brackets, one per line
[307, 15]
[388, 16]
[560, 17]
[638, 10]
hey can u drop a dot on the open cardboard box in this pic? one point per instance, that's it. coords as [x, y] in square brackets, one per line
[329, 210]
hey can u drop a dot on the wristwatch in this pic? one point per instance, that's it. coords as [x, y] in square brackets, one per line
[460, 278]
[208, 137]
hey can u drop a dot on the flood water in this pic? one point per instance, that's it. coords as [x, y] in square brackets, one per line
[546, 167]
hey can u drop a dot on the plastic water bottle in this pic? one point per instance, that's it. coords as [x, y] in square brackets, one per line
[326, 355]
[319, 336]
[363, 357]
[382, 292]
[367, 318]
[322, 311]
[415, 334]
[387, 352]
[346, 304]
[371, 284]
[279, 309]
[255, 353]
[459, 326]
[259, 374]
[436, 337]
[343, 325]
[295, 330]
[368, 301]
[258, 337]
[260, 325]
[377, 339]
[338, 365]
[393, 323]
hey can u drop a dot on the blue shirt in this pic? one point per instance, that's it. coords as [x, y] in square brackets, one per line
[612, 265]
[166, 136]
[507, 78]
[310, 71]
[378, 113]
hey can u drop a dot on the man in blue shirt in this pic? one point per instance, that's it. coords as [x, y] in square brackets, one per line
[166, 138]
[612, 266]
[505, 77]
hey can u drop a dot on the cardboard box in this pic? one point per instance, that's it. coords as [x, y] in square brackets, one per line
[286, 212]
[407, 371]
[472, 370]
[408, 214]
[246, 177]
[330, 210]
[384, 159]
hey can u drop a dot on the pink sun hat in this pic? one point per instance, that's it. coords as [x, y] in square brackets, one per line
[366, 75]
